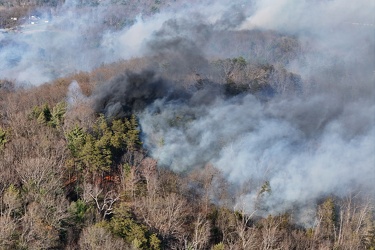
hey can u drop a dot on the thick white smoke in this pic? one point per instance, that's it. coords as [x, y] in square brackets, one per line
[302, 147]
[318, 143]
[75, 95]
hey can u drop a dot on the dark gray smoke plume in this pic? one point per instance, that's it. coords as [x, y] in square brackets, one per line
[132, 92]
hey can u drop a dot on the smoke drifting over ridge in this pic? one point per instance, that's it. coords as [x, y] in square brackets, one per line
[306, 145]
[80, 37]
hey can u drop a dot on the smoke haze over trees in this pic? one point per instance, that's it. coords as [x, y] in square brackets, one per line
[187, 124]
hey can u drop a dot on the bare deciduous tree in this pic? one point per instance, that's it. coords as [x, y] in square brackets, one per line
[8, 232]
[270, 234]
[104, 204]
[166, 215]
[97, 238]
[201, 234]
[355, 223]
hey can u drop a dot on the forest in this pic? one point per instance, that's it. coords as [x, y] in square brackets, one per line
[187, 125]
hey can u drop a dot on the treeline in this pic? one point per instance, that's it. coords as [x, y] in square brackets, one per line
[72, 179]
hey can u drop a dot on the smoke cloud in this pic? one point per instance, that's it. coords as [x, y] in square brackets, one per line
[75, 95]
[308, 144]
[78, 36]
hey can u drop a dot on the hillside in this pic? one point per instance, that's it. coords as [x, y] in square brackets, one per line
[187, 125]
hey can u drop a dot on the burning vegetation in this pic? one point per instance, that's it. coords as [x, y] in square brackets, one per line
[187, 125]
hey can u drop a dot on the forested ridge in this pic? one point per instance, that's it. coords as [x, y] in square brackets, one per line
[211, 133]
[73, 179]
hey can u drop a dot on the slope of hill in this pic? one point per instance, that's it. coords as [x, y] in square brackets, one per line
[188, 125]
